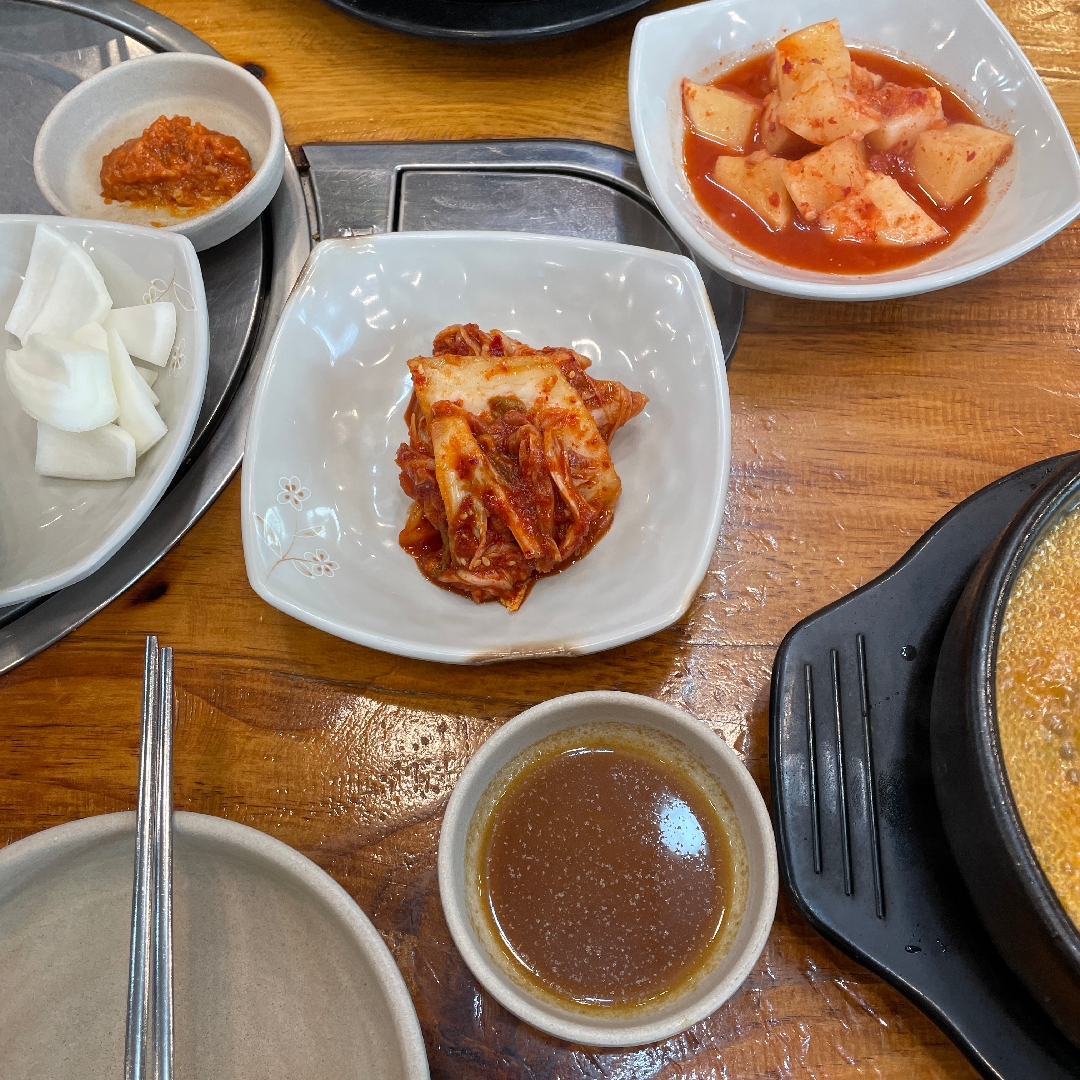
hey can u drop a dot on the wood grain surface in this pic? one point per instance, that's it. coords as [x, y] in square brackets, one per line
[855, 428]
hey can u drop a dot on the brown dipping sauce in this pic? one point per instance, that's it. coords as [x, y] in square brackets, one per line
[607, 875]
[805, 245]
[176, 165]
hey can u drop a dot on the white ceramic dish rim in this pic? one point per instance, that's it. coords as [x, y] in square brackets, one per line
[457, 654]
[853, 287]
[212, 219]
[482, 768]
[184, 427]
[87, 831]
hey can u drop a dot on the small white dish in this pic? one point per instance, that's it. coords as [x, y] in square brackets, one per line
[1033, 196]
[322, 502]
[120, 102]
[705, 747]
[276, 971]
[54, 532]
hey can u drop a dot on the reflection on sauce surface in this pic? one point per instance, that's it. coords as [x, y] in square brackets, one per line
[805, 245]
[606, 872]
[1038, 704]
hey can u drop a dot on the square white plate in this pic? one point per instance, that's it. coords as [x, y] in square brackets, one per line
[1033, 196]
[54, 532]
[322, 504]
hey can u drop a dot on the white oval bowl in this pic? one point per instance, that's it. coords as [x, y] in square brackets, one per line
[276, 971]
[55, 532]
[708, 749]
[1036, 194]
[120, 102]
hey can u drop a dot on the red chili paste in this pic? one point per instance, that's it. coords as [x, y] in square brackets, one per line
[176, 165]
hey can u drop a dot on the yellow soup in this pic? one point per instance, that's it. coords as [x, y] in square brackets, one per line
[1038, 704]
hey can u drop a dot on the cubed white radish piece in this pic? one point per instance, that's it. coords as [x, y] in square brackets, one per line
[814, 48]
[860, 82]
[949, 164]
[822, 111]
[125, 285]
[63, 383]
[757, 180]
[826, 176]
[92, 334]
[882, 213]
[62, 289]
[726, 116]
[106, 453]
[137, 416]
[149, 377]
[147, 330]
[777, 139]
[906, 112]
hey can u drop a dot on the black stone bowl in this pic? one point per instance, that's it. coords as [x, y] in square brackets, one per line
[1008, 886]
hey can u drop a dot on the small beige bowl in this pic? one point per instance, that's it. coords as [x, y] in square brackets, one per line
[120, 102]
[706, 750]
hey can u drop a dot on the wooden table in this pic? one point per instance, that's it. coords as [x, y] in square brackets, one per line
[855, 428]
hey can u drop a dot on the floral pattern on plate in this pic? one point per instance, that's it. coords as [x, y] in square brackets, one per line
[275, 535]
[159, 289]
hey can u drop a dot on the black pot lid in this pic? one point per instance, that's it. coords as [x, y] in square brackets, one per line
[486, 20]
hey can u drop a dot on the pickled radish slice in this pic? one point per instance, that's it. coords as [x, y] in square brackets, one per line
[106, 453]
[92, 334]
[63, 383]
[126, 286]
[149, 377]
[137, 416]
[146, 330]
[96, 410]
[62, 289]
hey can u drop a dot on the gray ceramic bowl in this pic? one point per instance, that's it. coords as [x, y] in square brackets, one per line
[276, 971]
[118, 103]
[709, 751]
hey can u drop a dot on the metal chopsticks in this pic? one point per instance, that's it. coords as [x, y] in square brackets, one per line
[148, 1048]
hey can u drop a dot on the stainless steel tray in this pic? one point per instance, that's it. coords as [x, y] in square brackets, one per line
[46, 48]
[561, 186]
[554, 186]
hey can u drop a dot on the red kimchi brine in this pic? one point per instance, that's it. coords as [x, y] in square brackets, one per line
[838, 160]
[507, 462]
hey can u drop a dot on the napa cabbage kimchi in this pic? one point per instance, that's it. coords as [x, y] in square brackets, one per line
[507, 462]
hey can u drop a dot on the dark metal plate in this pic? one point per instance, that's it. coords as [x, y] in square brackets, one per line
[44, 53]
[561, 186]
[486, 20]
[862, 848]
[46, 48]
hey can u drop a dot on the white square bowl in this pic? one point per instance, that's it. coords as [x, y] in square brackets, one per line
[55, 532]
[1033, 196]
[322, 503]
